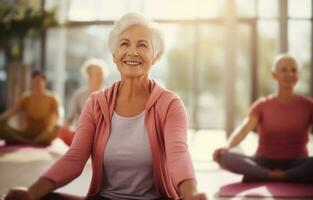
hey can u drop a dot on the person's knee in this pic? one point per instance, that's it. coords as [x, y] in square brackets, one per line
[224, 159]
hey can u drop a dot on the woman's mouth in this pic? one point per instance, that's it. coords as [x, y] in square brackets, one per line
[132, 63]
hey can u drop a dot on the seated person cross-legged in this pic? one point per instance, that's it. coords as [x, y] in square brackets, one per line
[39, 114]
[95, 71]
[283, 122]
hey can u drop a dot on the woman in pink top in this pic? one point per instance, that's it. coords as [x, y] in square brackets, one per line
[283, 122]
[136, 44]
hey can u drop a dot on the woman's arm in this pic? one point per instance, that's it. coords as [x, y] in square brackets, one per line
[179, 162]
[242, 131]
[238, 135]
[41, 187]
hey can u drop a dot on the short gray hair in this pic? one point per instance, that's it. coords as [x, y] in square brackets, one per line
[135, 18]
[283, 56]
[94, 62]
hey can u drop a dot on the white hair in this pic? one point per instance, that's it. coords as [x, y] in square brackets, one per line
[281, 57]
[135, 18]
[94, 62]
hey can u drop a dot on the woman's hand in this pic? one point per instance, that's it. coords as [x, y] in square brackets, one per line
[218, 153]
[18, 193]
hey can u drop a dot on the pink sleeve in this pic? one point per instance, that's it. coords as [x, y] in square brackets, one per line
[175, 135]
[256, 108]
[71, 164]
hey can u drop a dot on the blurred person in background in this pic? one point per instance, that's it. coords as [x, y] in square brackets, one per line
[39, 113]
[283, 121]
[95, 72]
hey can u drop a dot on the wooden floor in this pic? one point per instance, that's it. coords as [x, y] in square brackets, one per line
[22, 167]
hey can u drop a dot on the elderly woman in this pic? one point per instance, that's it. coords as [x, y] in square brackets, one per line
[283, 122]
[95, 72]
[134, 131]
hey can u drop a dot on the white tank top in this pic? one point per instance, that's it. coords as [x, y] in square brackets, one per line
[127, 160]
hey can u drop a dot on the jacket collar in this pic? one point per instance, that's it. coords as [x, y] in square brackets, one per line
[107, 98]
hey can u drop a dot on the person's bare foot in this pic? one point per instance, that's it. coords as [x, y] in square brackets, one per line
[276, 174]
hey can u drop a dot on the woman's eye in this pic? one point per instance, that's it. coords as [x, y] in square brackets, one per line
[124, 44]
[142, 45]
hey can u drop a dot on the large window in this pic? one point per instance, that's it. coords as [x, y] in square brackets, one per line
[268, 47]
[243, 86]
[194, 64]
[300, 40]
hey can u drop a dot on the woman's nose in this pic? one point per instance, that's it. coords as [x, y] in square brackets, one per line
[132, 50]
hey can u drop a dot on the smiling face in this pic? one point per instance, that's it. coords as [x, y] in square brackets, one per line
[134, 53]
[286, 73]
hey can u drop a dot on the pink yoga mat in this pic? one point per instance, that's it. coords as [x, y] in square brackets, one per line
[8, 148]
[266, 189]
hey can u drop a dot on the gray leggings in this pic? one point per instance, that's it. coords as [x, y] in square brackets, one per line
[257, 167]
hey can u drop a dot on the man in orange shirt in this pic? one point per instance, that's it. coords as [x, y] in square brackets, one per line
[39, 109]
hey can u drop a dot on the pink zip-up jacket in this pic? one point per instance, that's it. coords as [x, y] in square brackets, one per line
[166, 123]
